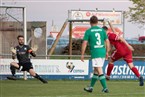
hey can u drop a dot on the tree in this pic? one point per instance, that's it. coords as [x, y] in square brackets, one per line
[136, 14]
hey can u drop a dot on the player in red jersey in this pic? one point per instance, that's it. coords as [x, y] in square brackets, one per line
[122, 50]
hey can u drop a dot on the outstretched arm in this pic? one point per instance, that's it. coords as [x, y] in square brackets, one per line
[104, 22]
[111, 26]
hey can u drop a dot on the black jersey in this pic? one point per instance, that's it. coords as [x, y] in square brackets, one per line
[22, 53]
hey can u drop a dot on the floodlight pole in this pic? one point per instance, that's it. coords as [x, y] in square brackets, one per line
[70, 39]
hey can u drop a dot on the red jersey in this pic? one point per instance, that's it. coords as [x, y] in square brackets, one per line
[120, 46]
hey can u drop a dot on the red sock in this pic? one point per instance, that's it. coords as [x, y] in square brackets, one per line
[135, 71]
[109, 69]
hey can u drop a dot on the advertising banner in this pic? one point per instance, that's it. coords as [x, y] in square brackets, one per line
[115, 17]
[79, 28]
[5, 66]
[51, 67]
[58, 69]
[78, 31]
[122, 71]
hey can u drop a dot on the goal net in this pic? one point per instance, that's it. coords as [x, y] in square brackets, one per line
[12, 24]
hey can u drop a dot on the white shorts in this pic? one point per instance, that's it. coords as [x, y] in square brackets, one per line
[98, 62]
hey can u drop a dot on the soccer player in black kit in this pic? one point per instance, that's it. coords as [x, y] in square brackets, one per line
[22, 52]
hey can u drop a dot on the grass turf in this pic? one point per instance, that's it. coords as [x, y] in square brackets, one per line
[34, 88]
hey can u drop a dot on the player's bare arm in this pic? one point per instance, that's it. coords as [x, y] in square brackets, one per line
[111, 26]
[107, 48]
[125, 42]
[84, 45]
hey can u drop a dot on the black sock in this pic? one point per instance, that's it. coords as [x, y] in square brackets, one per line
[37, 76]
[41, 79]
[13, 70]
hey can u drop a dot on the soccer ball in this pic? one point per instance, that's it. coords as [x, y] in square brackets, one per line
[69, 65]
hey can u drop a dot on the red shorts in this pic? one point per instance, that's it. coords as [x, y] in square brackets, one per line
[127, 56]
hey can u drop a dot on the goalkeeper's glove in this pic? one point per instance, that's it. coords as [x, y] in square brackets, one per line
[13, 50]
[35, 48]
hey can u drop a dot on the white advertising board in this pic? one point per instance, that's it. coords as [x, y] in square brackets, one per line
[79, 28]
[50, 67]
[114, 17]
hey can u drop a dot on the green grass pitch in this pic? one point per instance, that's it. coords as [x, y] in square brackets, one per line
[68, 88]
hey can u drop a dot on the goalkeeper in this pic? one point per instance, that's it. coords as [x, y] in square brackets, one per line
[22, 53]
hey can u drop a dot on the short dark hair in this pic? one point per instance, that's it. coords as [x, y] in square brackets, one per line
[93, 20]
[105, 28]
[20, 36]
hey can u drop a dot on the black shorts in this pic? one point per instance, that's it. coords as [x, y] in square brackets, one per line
[25, 66]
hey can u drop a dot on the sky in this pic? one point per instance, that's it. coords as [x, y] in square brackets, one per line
[57, 10]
